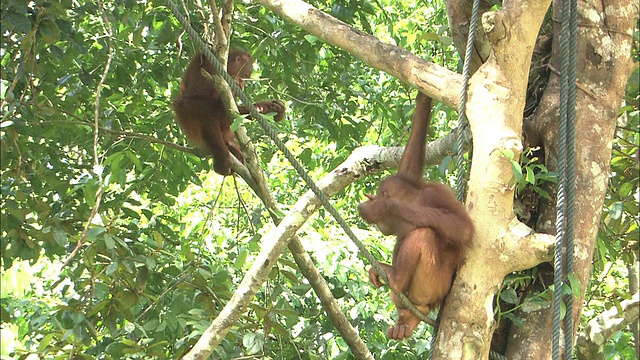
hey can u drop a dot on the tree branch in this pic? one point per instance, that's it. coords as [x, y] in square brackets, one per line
[97, 159]
[592, 340]
[273, 243]
[435, 80]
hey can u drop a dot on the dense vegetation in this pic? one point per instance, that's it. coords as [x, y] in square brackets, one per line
[171, 239]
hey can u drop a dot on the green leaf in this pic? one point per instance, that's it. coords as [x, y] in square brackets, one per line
[625, 189]
[241, 258]
[61, 237]
[158, 238]
[516, 320]
[253, 342]
[95, 231]
[45, 342]
[616, 209]
[18, 22]
[531, 178]
[509, 154]
[517, 171]
[509, 296]
[534, 303]
[77, 317]
[49, 31]
[429, 36]
[112, 268]
[109, 242]
[575, 285]
[126, 299]
[542, 192]
[238, 121]
[311, 39]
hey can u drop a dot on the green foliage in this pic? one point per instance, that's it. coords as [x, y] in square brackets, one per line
[617, 247]
[620, 222]
[529, 172]
[511, 297]
[170, 240]
[618, 235]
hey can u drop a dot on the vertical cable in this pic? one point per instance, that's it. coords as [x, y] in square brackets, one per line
[566, 175]
[461, 186]
[570, 185]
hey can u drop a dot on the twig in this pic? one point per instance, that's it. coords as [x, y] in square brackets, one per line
[97, 165]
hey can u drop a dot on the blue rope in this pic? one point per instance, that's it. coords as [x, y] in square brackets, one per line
[566, 178]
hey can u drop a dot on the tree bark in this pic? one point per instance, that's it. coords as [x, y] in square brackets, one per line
[434, 80]
[459, 16]
[603, 68]
[502, 244]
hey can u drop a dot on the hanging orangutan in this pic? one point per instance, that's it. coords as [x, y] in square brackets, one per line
[204, 118]
[433, 229]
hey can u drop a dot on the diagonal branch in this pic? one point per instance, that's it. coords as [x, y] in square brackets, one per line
[274, 242]
[434, 80]
[592, 340]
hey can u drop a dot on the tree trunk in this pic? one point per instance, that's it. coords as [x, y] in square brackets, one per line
[603, 68]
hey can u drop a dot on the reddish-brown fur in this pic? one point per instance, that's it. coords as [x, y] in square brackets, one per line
[433, 229]
[204, 118]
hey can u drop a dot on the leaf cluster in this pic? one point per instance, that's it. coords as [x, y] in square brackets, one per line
[170, 241]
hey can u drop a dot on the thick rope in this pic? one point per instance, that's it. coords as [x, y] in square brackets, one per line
[461, 185]
[289, 156]
[566, 178]
[571, 173]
